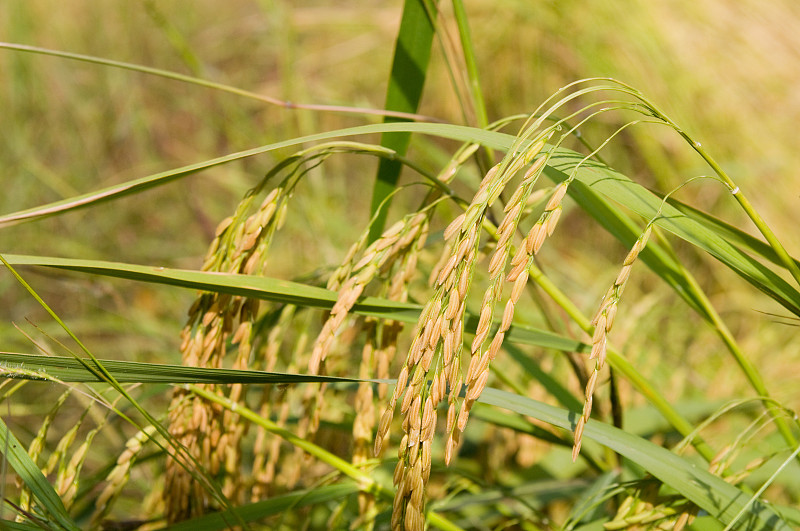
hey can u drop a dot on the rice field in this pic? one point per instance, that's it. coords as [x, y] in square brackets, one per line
[404, 265]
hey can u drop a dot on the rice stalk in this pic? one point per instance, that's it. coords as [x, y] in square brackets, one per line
[603, 321]
[118, 477]
[433, 362]
[210, 434]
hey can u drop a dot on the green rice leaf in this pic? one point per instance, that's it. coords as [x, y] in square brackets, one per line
[278, 504]
[32, 477]
[412, 53]
[594, 176]
[711, 493]
[69, 369]
[600, 179]
[282, 291]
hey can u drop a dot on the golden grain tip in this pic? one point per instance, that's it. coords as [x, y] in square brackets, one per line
[497, 261]
[489, 176]
[477, 388]
[611, 313]
[497, 342]
[600, 328]
[426, 359]
[407, 398]
[532, 237]
[454, 227]
[590, 385]
[632, 255]
[449, 447]
[508, 316]
[473, 215]
[478, 340]
[224, 224]
[515, 199]
[394, 230]
[598, 351]
[472, 369]
[578, 437]
[519, 285]
[557, 197]
[552, 220]
[576, 450]
[623, 275]
[536, 167]
[451, 417]
[447, 269]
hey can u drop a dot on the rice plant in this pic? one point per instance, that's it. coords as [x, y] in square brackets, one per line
[403, 321]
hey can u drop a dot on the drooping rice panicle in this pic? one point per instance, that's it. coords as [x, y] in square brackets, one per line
[37, 446]
[119, 475]
[603, 321]
[211, 435]
[433, 362]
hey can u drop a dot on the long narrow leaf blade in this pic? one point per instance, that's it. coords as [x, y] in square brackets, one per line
[282, 291]
[255, 511]
[32, 477]
[409, 68]
[598, 178]
[68, 369]
[711, 493]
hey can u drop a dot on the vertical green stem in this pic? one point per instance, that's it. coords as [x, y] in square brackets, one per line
[751, 371]
[476, 92]
[754, 216]
[409, 67]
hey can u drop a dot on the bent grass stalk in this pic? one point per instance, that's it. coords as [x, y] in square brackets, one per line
[175, 76]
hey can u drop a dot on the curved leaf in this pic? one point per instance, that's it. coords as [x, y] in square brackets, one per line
[720, 499]
[282, 291]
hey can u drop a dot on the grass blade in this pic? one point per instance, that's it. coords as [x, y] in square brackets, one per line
[602, 179]
[597, 177]
[282, 291]
[455, 132]
[33, 478]
[67, 369]
[711, 493]
[409, 67]
[175, 76]
[255, 511]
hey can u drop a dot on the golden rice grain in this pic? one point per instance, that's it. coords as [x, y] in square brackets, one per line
[494, 347]
[552, 220]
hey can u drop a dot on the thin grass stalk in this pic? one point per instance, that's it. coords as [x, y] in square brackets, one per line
[175, 76]
[757, 220]
[452, 55]
[471, 64]
[35, 449]
[748, 368]
[754, 216]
